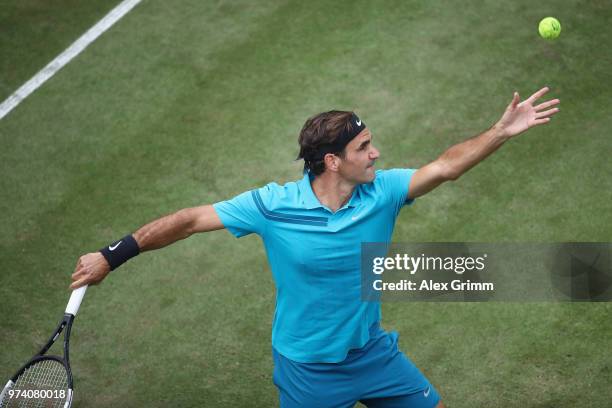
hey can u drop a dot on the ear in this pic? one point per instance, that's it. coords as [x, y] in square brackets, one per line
[331, 162]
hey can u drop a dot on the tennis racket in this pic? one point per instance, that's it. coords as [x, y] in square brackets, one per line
[46, 380]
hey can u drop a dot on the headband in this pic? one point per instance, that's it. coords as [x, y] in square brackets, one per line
[343, 139]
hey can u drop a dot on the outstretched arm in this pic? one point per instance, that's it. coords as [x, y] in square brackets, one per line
[454, 162]
[174, 227]
[92, 268]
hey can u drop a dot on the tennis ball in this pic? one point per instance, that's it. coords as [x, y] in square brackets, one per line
[549, 28]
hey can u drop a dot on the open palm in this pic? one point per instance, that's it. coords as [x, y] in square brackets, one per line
[519, 117]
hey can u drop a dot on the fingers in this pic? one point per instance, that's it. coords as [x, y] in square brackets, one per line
[547, 104]
[541, 121]
[89, 270]
[515, 100]
[538, 94]
[79, 271]
[78, 275]
[79, 278]
[546, 113]
[84, 278]
[78, 284]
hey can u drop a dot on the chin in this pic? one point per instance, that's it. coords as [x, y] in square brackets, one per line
[370, 175]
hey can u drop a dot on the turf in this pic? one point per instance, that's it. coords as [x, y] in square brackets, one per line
[184, 103]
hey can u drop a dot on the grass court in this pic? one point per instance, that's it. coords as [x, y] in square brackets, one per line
[185, 103]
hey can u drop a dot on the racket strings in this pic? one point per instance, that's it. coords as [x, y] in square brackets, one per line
[45, 376]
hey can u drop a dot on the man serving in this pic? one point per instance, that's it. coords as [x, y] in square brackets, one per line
[328, 347]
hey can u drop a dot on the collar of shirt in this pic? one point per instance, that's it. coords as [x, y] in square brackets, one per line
[310, 200]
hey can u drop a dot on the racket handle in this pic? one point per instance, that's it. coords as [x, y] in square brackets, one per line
[75, 300]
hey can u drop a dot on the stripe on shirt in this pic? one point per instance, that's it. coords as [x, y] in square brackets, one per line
[288, 218]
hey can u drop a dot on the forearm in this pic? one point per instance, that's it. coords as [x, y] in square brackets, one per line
[92, 268]
[164, 231]
[461, 157]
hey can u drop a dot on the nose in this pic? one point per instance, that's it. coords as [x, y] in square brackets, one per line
[374, 153]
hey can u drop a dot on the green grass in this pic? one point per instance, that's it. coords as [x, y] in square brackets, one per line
[186, 103]
[36, 31]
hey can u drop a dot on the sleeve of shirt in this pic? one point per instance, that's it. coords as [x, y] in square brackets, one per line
[395, 184]
[240, 214]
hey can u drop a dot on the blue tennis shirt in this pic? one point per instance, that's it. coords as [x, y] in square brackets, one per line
[314, 255]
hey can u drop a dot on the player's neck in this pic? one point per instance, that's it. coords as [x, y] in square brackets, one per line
[332, 190]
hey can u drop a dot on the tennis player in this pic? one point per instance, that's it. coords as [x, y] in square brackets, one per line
[329, 349]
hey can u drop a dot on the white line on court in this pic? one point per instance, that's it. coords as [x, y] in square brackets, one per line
[65, 57]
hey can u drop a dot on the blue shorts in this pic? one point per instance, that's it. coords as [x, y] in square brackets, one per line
[378, 375]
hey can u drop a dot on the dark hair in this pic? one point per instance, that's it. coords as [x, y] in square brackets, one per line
[320, 131]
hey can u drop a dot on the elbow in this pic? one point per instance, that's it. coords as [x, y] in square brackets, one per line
[449, 172]
[453, 175]
[188, 222]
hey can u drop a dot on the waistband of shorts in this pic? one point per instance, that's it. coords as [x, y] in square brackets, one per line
[374, 333]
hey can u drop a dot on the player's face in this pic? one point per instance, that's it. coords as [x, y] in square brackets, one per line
[360, 156]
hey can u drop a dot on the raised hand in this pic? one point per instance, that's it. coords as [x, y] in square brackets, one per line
[519, 117]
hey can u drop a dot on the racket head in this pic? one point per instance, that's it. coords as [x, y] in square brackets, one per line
[50, 375]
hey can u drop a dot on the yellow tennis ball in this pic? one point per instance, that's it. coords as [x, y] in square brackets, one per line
[549, 28]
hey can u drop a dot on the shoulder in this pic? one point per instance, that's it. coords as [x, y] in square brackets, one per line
[389, 179]
[274, 195]
[390, 185]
